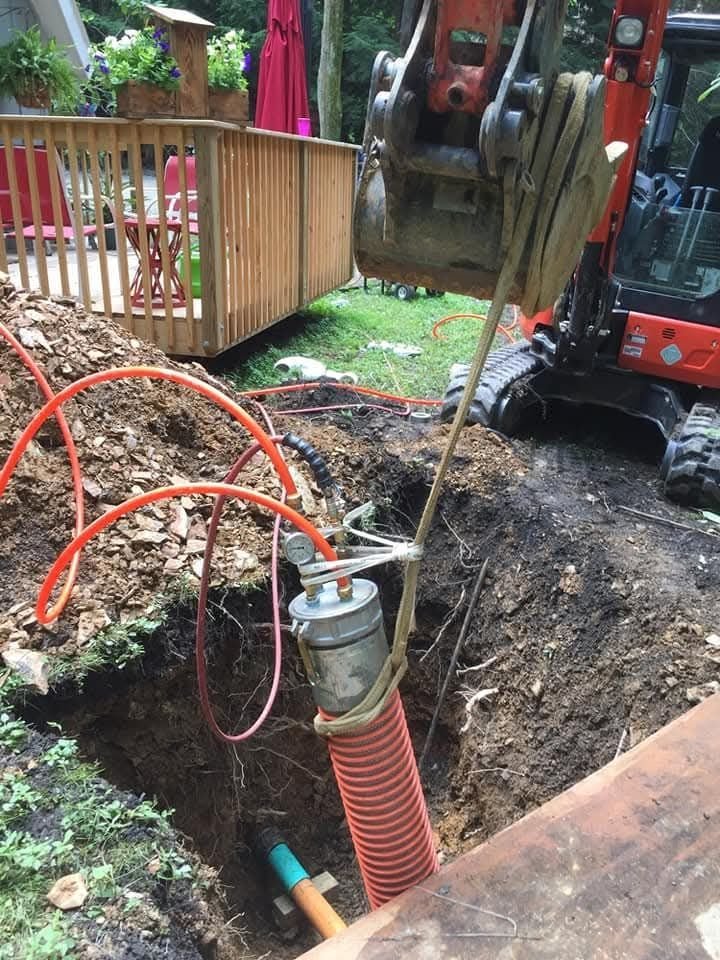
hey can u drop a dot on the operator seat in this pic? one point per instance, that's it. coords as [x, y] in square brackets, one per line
[704, 167]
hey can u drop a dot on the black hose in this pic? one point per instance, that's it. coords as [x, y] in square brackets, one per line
[314, 460]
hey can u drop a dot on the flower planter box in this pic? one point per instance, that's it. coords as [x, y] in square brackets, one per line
[140, 100]
[231, 106]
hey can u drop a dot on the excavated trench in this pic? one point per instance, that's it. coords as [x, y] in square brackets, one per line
[590, 631]
[148, 734]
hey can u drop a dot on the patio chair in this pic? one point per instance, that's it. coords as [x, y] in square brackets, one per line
[44, 169]
[173, 195]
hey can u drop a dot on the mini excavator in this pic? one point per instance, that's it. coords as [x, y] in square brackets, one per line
[620, 298]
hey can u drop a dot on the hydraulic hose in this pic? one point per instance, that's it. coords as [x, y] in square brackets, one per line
[383, 799]
[166, 493]
[75, 470]
[312, 458]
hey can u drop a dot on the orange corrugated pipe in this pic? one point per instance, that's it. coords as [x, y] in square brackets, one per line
[384, 803]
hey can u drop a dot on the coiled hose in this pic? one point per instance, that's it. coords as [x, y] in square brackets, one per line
[380, 788]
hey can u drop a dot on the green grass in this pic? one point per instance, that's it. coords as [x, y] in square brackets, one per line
[337, 328]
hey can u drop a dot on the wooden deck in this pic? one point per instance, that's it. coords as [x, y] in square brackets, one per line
[623, 866]
[268, 218]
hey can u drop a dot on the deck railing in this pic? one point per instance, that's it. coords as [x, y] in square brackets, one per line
[245, 231]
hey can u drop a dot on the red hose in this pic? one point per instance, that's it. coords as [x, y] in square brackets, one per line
[67, 436]
[201, 619]
[505, 331]
[347, 387]
[397, 411]
[383, 799]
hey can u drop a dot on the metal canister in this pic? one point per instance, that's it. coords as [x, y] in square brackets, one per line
[342, 643]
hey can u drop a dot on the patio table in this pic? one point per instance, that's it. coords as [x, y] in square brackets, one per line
[153, 230]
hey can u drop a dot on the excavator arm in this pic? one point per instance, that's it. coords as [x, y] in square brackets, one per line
[451, 135]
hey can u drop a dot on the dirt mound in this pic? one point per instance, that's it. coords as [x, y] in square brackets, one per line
[132, 436]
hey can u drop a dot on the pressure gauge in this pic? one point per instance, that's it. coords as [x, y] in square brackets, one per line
[299, 548]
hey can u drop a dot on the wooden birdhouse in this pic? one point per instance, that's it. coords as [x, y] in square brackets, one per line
[187, 36]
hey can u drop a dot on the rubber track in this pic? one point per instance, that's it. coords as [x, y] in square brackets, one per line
[503, 369]
[693, 477]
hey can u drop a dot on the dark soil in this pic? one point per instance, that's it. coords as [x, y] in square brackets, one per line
[590, 634]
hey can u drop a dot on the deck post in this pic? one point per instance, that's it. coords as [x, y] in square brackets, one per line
[304, 223]
[211, 226]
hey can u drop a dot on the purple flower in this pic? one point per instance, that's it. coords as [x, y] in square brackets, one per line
[247, 63]
[159, 33]
[88, 68]
[104, 68]
[164, 46]
[175, 73]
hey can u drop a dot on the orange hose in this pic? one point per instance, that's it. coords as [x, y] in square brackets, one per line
[316, 908]
[156, 373]
[505, 331]
[165, 493]
[67, 436]
[380, 788]
[349, 387]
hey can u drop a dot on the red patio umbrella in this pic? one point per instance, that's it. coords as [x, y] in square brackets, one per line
[282, 87]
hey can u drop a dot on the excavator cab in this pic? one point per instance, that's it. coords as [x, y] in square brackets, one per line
[669, 249]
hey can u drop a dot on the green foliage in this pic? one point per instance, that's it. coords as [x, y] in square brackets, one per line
[61, 754]
[122, 849]
[227, 61]
[141, 56]
[31, 67]
[116, 647]
[13, 733]
[17, 798]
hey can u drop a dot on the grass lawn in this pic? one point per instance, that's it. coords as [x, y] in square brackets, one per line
[337, 328]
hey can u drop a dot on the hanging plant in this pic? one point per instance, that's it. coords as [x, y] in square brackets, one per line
[38, 74]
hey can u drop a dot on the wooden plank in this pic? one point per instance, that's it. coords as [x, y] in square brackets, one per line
[303, 224]
[3, 252]
[243, 232]
[222, 238]
[623, 866]
[54, 163]
[119, 209]
[135, 158]
[212, 240]
[17, 224]
[234, 226]
[99, 211]
[81, 252]
[164, 245]
[38, 244]
[182, 144]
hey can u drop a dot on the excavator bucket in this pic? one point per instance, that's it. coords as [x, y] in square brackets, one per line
[451, 132]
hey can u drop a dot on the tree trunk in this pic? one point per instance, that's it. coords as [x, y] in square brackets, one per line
[330, 73]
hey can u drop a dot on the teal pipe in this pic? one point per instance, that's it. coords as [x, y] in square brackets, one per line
[287, 866]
